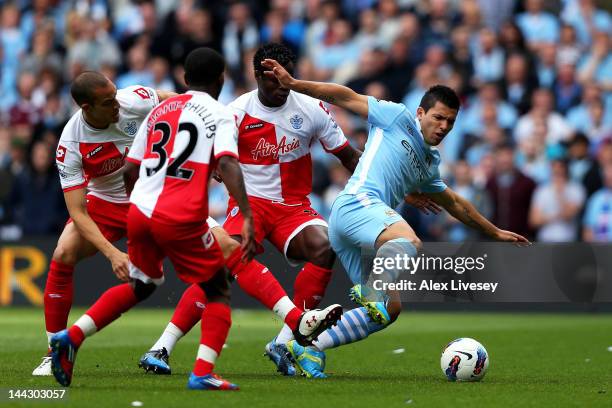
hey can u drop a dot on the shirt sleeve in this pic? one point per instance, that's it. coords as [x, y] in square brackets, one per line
[383, 113]
[329, 133]
[434, 184]
[138, 99]
[226, 135]
[70, 166]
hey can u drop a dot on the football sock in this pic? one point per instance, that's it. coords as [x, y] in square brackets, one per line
[216, 322]
[398, 247]
[187, 313]
[309, 287]
[354, 325]
[108, 307]
[171, 335]
[258, 282]
[284, 335]
[58, 297]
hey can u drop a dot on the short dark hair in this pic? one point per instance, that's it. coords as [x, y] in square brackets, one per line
[203, 67]
[276, 51]
[84, 85]
[579, 138]
[442, 94]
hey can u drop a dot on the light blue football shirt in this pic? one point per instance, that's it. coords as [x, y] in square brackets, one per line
[396, 160]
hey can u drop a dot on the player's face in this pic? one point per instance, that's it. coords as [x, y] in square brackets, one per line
[105, 108]
[436, 122]
[270, 90]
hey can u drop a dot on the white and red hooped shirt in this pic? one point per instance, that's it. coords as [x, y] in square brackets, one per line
[92, 158]
[274, 144]
[177, 147]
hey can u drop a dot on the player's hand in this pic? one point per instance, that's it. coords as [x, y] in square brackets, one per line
[509, 236]
[249, 245]
[276, 70]
[421, 201]
[119, 261]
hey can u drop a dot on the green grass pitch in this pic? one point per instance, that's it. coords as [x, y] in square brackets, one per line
[537, 360]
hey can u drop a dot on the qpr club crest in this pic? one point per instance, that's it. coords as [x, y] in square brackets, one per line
[296, 122]
[131, 128]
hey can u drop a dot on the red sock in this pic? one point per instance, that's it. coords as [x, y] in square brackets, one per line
[216, 322]
[58, 296]
[258, 282]
[188, 311]
[76, 335]
[115, 301]
[309, 286]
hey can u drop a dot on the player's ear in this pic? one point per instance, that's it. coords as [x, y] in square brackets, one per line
[420, 112]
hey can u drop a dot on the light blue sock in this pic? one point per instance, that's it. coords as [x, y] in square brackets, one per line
[355, 325]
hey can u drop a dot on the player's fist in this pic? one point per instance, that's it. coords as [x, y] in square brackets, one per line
[120, 261]
[249, 245]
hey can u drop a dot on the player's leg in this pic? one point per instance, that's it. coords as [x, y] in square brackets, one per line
[198, 259]
[353, 226]
[145, 272]
[72, 248]
[397, 239]
[301, 234]
[258, 282]
[59, 286]
[255, 279]
[187, 313]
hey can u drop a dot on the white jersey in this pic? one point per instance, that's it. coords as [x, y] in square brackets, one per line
[92, 158]
[274, 144]
[177, 147]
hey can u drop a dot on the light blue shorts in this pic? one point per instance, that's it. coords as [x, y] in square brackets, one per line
[355, 223]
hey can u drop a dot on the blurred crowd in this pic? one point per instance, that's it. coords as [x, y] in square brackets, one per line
[531, 148]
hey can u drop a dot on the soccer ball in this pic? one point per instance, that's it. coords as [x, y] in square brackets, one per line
[464, 359]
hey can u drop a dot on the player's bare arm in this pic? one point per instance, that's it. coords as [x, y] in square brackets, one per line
[465, 212]
[130, 176]
[77, 207]
[163, 95]
[349, 157]
[331, 93]
[229, 170]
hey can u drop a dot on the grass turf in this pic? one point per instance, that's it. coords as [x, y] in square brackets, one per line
[537, 360]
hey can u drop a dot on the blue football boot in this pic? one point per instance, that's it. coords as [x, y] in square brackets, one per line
[376, 308]
[210, 382]
[280, 356]
[63, 356]
[310, 361]
[156, 361]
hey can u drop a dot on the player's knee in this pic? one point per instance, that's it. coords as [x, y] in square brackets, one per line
[218, 288]
[227, 243]
[320, 252]
[142, 290]
[228, 246]
[65, 254]
[417, 243]
[393, 247]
